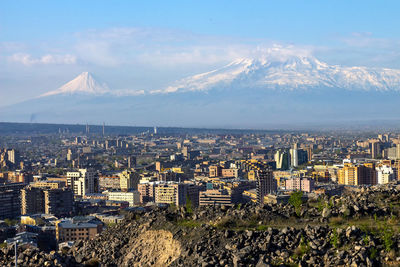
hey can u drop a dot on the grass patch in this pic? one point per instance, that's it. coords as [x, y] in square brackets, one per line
[302, 249]
[188, 223]
[262, 227]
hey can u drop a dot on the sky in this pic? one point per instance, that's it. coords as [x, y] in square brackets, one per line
[147, 45]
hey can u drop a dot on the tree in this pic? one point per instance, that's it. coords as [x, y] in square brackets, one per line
[296, 200]
[189, 208]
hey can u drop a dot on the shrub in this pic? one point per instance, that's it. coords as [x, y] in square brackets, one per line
[335, 238]
[387, 238]
[189, 208]
[373, 253]
[296, 200]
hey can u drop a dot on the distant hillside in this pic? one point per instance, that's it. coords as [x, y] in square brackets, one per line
[8, 128]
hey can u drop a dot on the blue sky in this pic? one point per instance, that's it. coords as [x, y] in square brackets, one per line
[149, 44]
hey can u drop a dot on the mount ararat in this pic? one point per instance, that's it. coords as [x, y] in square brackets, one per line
[270, 91]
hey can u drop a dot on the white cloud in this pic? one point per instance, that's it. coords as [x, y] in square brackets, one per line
[28, 60]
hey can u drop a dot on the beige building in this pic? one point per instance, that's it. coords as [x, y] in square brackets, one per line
[132, 197]
[129, 180]
[48, 184]
[215, 197]
[70, 231]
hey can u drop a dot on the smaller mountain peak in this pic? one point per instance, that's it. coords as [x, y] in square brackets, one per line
[84, 83]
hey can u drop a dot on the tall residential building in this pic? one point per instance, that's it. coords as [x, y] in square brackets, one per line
[83, 181]
[309, 152]
[171, 193]
[131, 162]
[128, 180]
[176, 193]
[58, 202]
[352, 174]
[147, 192]
[10, 200]
[32, 200]
[384, 174]
[215, 171]
[375, 149]
[13, 156]
[265, 182]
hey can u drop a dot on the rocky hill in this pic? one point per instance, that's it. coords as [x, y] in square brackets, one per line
[360, 228]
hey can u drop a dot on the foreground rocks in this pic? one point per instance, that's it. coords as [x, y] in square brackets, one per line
[357, 229]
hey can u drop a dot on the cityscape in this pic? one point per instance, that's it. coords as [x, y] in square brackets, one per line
[213, 133]
[63, 187]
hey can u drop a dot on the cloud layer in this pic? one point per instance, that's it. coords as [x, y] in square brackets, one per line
[29, 60]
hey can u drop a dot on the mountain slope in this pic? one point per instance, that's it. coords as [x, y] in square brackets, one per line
[289, 73]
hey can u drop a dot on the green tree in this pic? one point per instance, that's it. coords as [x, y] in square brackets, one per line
[296, 200]
[189, 208]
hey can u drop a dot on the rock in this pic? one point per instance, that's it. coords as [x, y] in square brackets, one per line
[326, 213]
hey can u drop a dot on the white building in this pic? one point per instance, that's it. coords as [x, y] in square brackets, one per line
[294, 160]
[83, 181]
[384, 174]
[132, 197]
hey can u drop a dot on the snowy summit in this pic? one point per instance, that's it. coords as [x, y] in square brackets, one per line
[84, 83]
[289, 72]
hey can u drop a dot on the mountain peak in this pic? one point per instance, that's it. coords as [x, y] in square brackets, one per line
[288, 71]
[84, 83]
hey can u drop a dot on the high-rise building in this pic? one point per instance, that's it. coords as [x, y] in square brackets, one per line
[352, 174]
[215, 171]
[13, 156]
[375, 148]
[302, 156]
[309, 152]
[58, 202]
[147, 192]
[129, 180]
[265, 182]
[294, 160]
[282, 159]
[385, 174]
[10, 200]
[131, 162]
[32, 200]
[176, 193]
[171, 193]
[83, 181]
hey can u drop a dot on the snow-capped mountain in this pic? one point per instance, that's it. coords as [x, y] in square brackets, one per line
[289, 73]
[84, 83]
[289, 90]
